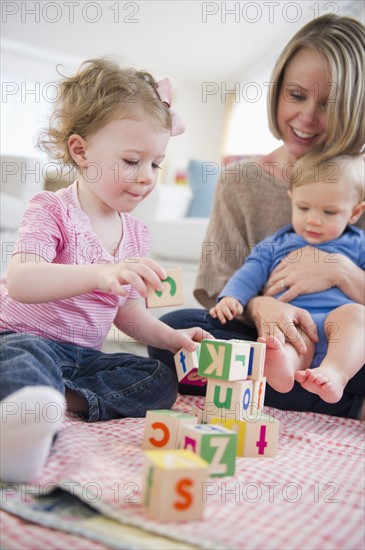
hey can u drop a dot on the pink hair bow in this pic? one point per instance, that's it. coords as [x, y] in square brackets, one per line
[164, 91]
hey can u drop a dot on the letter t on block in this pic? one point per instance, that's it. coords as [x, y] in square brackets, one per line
[187, 363]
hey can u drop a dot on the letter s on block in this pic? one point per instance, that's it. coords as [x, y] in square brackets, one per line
[181, 490]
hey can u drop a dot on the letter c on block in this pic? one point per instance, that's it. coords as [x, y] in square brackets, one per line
[165, 435]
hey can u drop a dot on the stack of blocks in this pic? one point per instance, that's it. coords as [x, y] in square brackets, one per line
[236, 393]
[183, 450]
[231, 423]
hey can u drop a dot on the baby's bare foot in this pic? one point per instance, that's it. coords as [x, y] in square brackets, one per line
[328, 382]
[278, 367]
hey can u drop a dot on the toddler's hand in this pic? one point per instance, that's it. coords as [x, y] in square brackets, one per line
[227, 309]
[134, 272]
[187, 338]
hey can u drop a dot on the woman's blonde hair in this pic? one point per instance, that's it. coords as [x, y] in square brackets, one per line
[341, 41]
[343, 168]
[99, 92]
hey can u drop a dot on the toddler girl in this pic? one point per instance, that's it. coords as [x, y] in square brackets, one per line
[80, 266]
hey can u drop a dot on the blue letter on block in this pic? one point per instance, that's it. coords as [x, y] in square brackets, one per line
[182, 361]
[246, 401]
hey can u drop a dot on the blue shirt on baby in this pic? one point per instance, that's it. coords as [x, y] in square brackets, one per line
[249, 280]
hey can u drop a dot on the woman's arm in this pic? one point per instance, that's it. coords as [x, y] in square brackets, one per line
[316, 271]
[136, 321]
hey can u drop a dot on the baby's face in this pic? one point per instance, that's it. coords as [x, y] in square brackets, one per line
[321, 211]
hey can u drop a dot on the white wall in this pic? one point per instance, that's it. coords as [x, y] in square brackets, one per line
[203, 138]
[27, 88]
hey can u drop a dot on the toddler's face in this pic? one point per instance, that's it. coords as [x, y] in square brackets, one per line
[321, 211]
[122, 161]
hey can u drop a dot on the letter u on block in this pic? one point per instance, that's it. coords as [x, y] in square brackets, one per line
[226, 404]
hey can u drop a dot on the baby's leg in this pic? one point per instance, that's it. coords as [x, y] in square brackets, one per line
[344, 328]
[283, 361]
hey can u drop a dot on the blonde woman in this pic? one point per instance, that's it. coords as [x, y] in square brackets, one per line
[316, 107]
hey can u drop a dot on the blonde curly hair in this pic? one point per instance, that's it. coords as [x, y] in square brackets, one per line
[99, 92]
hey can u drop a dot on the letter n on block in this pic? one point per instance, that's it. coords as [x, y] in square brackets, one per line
[216, 444]
[163, 427]
[173, 484]
[187, 363]
[224, 360]
[225, 398]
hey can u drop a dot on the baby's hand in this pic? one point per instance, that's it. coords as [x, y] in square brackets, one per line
[135, 272]
[227, 309]
[187, 338]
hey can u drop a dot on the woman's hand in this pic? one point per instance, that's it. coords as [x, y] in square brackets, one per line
[286, 322]
[138, 272]
[226, 309]
[303, 271]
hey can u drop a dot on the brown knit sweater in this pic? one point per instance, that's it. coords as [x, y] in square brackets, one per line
[249, 205]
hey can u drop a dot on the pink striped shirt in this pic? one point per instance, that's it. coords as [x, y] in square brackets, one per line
[55, 228]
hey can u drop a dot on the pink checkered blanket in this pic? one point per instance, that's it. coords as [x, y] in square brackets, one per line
[311, 495]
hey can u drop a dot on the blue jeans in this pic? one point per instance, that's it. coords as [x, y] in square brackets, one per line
[115, 385]
[298, 399]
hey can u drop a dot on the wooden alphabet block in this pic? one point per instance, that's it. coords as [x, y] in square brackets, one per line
[172, 293]
[257, 436]
[256, 362]
[172, 486]
[198, 410]
[187, 363]
[258, 396]
[228, 399]
[163, 427]
[224, 360]
[216, 444]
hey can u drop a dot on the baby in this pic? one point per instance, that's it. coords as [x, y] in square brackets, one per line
[323, 207]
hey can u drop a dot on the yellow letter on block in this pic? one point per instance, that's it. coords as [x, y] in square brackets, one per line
[172, 293]
[173, 482]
